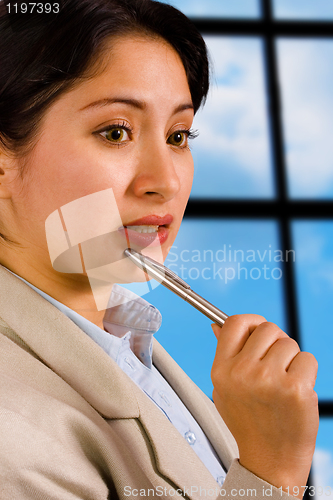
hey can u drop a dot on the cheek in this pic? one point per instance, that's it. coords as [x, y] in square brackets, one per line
[56, 184]
[57, 177]
[186, 176]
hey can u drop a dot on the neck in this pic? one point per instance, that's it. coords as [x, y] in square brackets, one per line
[73, 290]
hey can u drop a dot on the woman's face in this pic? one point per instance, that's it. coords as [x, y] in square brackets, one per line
[122, 129]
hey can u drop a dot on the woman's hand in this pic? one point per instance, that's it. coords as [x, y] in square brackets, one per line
[263, 389]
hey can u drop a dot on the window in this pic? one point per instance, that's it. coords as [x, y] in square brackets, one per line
[232, 153]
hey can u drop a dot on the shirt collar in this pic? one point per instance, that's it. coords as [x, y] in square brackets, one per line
[128, 312]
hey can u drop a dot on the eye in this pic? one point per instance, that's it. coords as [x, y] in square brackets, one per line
[178, 138]
[116, 134]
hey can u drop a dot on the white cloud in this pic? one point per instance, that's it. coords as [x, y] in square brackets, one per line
[323, 469]
[233, 123]
[306, 69]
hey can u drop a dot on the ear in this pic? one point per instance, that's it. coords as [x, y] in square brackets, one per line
[6, 175]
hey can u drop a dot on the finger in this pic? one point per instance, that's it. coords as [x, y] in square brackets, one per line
[262, 339]
[234, 334]
[281, 353]
[216, 329]
[304, 367]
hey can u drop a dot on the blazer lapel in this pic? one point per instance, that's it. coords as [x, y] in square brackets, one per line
[66, 349]
[182, 466]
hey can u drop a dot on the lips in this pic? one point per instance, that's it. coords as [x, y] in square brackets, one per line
[143, 240]
[151, 220]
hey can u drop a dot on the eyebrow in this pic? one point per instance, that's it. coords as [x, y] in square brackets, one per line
[130, 102]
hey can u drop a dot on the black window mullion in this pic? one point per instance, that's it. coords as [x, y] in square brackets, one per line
[277, 147]
[294, 29]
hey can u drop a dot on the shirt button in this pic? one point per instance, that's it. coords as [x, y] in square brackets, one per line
[129, 362]
[164, 397]
[220, 480]
[190, 437]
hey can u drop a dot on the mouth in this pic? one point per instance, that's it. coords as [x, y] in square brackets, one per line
[152, 231]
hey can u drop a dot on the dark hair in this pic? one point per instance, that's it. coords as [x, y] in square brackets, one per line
[42, 56]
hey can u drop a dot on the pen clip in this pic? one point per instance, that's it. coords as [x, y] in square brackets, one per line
[165, 270]
[170, 274]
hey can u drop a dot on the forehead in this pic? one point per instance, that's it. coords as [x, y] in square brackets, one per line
[141, 67]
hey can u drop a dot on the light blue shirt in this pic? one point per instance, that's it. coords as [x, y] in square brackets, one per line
[130, 323]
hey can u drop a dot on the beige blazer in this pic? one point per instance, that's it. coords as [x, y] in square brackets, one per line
[74, 426]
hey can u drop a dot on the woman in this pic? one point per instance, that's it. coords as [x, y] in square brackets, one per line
[96, 108]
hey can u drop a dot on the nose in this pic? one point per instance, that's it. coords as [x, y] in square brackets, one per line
[157, 175]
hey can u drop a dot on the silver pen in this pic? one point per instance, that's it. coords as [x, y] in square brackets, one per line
[170, 280]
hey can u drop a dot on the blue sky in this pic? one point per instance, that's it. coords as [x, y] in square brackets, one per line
[303, 9]
[313, 242]
[306, 75]
[214, 8]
